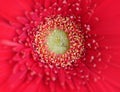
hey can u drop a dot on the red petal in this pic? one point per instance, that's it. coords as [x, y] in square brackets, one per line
[109, 26]
[7, 32]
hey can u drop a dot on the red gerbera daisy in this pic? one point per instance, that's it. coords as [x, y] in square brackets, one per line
[59, 46]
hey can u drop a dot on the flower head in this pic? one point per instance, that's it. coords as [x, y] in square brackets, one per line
[53, 46]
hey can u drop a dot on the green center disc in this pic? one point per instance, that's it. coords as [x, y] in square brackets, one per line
[58, 41]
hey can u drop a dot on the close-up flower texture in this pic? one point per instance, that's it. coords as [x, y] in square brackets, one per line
[59, 46]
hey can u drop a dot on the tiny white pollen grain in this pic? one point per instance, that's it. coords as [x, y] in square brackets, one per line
[32, 73]
[92, 57]
[64, 2]
[77, 4]
[81, 71]
[77, 8]
[47, 73]
[96, 18]
[93, 41]
[89, 44]
[87, 76]
[53, 78]
[71, 17]
[70, 9]
[82, 76]
[88, 27]
[95, 79]
[59, 9]
[99, 59]
[94, 65]
[45, 9]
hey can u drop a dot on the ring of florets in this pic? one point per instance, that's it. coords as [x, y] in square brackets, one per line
[74, 35]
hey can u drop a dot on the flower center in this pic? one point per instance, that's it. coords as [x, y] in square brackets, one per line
[58, 42]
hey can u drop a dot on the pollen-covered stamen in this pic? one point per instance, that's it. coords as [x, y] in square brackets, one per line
[59, 40]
